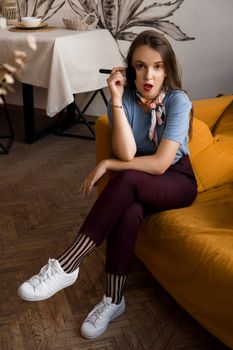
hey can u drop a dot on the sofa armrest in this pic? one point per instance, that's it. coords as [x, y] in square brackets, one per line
[103, 146]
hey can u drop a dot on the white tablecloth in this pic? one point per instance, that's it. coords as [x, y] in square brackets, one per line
[66, 62]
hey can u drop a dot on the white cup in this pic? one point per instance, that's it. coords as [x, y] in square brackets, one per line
[31, 21]
[3, 23]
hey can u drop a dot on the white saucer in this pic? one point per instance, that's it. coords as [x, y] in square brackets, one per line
[20, 25]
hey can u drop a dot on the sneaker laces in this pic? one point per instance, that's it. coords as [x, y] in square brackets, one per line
[47, 272]
[96, 315]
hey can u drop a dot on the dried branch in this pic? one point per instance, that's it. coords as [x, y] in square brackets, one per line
[13, 68]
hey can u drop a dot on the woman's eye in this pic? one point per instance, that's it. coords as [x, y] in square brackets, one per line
[139, 66]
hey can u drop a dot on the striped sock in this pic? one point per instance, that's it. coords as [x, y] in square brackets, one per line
[115, 287]
[72, 257]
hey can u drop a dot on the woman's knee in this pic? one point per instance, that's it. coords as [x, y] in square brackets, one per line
[125, 176]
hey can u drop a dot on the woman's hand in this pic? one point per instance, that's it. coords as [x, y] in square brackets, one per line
[116, 82]
[93, 178]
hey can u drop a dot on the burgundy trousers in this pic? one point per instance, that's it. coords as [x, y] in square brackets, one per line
[129, 196]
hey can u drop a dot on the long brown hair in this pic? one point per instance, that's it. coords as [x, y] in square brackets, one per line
[159, 43]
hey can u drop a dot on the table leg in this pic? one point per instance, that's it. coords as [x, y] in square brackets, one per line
[30, 132]
[79, 117]
[29, 115]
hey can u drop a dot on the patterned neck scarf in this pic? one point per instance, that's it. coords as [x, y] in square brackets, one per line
[157, 110]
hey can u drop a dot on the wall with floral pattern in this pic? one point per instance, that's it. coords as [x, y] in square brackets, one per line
[199, 31]
[120, 17]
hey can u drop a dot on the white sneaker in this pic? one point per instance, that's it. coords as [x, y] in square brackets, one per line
[98, 319]
[49, 281]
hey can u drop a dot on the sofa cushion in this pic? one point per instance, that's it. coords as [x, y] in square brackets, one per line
[211, 156]
[189, 250]
[224, 125]
[209, 110]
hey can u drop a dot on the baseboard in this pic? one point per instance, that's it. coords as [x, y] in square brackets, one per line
[40, 111]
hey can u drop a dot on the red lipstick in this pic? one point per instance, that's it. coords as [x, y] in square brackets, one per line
[148, 87]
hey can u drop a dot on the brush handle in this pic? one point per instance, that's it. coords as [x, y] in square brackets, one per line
[105, 71]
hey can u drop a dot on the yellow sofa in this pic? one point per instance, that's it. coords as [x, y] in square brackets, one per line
[190, 250]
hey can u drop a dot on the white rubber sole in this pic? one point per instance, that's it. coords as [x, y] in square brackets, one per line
[41, 298]
[120, 312]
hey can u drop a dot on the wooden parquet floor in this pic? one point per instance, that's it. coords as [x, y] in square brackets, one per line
[40, 213]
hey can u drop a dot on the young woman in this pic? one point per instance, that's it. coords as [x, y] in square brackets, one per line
[150, 117]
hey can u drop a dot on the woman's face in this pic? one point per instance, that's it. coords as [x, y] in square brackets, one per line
[150, 73]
